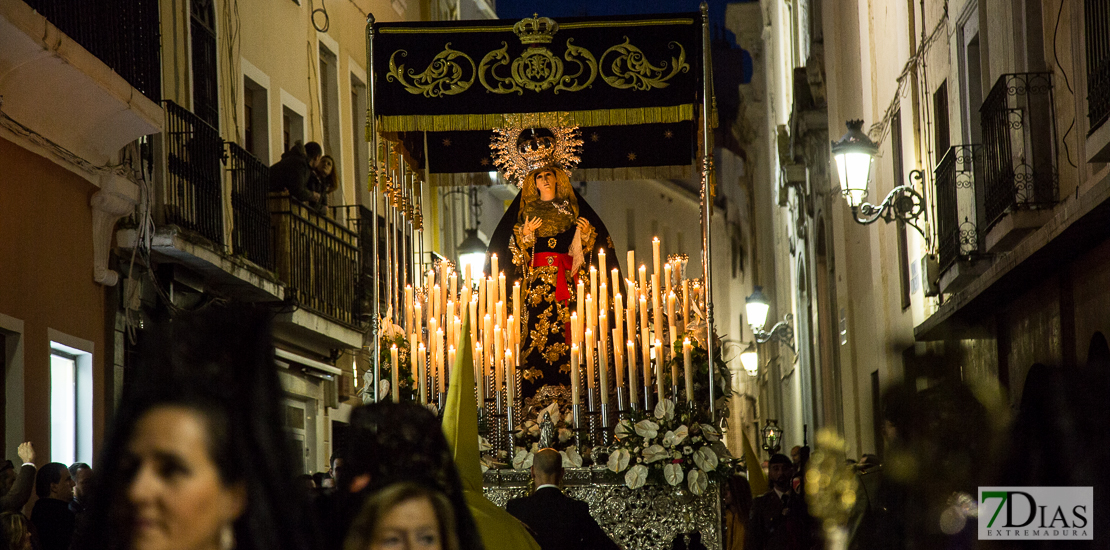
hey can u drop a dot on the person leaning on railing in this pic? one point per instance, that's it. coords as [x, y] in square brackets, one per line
[295, 172]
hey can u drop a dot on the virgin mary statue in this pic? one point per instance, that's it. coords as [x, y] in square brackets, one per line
[550, 234]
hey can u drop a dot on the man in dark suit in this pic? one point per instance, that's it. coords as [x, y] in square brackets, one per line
[779, 519]
[558, 521]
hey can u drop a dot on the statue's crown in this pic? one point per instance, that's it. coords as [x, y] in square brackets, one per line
[536, 30]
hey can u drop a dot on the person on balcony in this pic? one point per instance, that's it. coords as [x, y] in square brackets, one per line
[325, 180]
[295, 172]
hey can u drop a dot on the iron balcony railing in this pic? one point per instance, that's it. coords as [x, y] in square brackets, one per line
[193, 195]
[124, 34]
[357, 218]
[1019, 146]
[250, 187]
[316, 257]
[1096, 18]
[957, 176]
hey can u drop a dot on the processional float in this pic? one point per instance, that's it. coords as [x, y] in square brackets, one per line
[436, 93]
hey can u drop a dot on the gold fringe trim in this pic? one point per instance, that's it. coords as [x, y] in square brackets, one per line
[384, 29]
[597, 117]
[589, 174]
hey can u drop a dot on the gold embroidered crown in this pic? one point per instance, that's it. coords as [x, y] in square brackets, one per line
[536, 30]
[518, 149]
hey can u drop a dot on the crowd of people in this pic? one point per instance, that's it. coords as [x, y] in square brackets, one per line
[307, 174]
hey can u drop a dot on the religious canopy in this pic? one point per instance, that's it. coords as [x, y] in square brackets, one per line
[632, 83]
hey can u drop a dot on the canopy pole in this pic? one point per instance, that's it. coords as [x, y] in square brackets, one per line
[372, 184]
[707, 204]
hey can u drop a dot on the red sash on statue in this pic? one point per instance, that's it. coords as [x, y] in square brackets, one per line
[563, 262]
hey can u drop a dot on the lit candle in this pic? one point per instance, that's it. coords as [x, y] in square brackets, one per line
[630, 263]
[499, 313]
[603, 373]
[591, 312]
[634, 393]
[467, 279]
[450, 362]
[674, 364]
[618, 357]
[396, 368]
[659, 369]
[453, 278]
[408, 308]
[516, 308]
[418, 322]
[501, 295]
[645, 340]
[593, 281]
[655, 255]
[437, 309]
[498, 354]
[575, 328]
[482, 297]
[687, 349]
[643, 278]
[421, 374]
[480, 378]
[657, 309]
[414, 358]
[493, 263]
[589, 358]
[441, 378]
[491, 293]
[510, 378]
[574, 382]
[487, 335]
[685, 303]
[601, 264]
[618, 318]
[429, 280]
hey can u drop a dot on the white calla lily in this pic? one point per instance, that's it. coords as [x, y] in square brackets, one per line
[664, 409]
[624, 429]
[655, 453]
[676, 437]
[710, 433]
[697, 481]
[673, 474]
[618, 461]
[571, 458]
[636, 476]
[647, 429]
[706, 459]
[522, 460]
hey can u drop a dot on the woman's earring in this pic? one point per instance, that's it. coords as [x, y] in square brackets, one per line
[227, 537]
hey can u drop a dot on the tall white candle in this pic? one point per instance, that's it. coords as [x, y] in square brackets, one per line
[655, 256]
[687, 349]
[659, 369]
[393, 388]
[633, 390]
[574, 380]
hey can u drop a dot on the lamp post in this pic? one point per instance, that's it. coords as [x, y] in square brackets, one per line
[772, 437]
[855, 154]
[757, 307]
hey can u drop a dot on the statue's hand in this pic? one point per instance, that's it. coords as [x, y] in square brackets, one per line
[582, 224]
[530, 226]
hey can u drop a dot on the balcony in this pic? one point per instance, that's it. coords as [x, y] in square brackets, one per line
[357, 219]
[958, 239]
[1020, 184]
[1096, 19]
[193, 195]
[250, 187]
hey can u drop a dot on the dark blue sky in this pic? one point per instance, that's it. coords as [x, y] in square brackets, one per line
[518, 9]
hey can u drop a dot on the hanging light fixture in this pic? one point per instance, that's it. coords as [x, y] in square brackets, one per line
[757, 306]
[472, 250]
[855, 154]
[772, 437]
[749, 358]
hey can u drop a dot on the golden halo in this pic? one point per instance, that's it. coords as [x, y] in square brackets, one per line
[516, 157]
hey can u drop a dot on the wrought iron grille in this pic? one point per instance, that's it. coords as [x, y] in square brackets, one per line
[193, 195]
[124, 34]
[1019, 146]
[956, 177]
[1097, 21]
[250, 187]
[356, 218]
[316, 257]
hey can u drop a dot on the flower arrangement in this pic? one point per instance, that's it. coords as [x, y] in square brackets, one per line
[391, 334]
[670, 446]
[529, 434]
[722, 387]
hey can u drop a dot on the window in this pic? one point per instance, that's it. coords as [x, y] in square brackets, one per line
[71, 409]
[971, 78]
[206, 102]
[256, 131]
[903, 240]
[359, 146]
[940, 121]
[292, 129]
[329, 103]
[1097, 21]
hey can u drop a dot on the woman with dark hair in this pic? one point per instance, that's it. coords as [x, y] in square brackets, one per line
[404, 515]
[325, 179]
[392, 443]
[737, 505]
[197, 458]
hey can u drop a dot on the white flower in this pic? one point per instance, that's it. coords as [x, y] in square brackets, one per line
[571, 458]
[565, 435]
[710, 432]
[664, 409]
[655, 453]
[706, 459]
[675, 437]
[673, 474]
[623, 429]
[618, 461]
[697, 481]
[533, 428]
[522, 460]
[636, 476]
[483, 445]
[687, 450]
[647, 429]
[639, 460]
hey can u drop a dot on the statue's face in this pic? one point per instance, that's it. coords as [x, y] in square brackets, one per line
[546, 184]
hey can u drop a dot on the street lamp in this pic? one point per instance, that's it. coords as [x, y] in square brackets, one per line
[750, 360]
[854, 154]
[757, 307]
[472, 252]
[772, 437]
